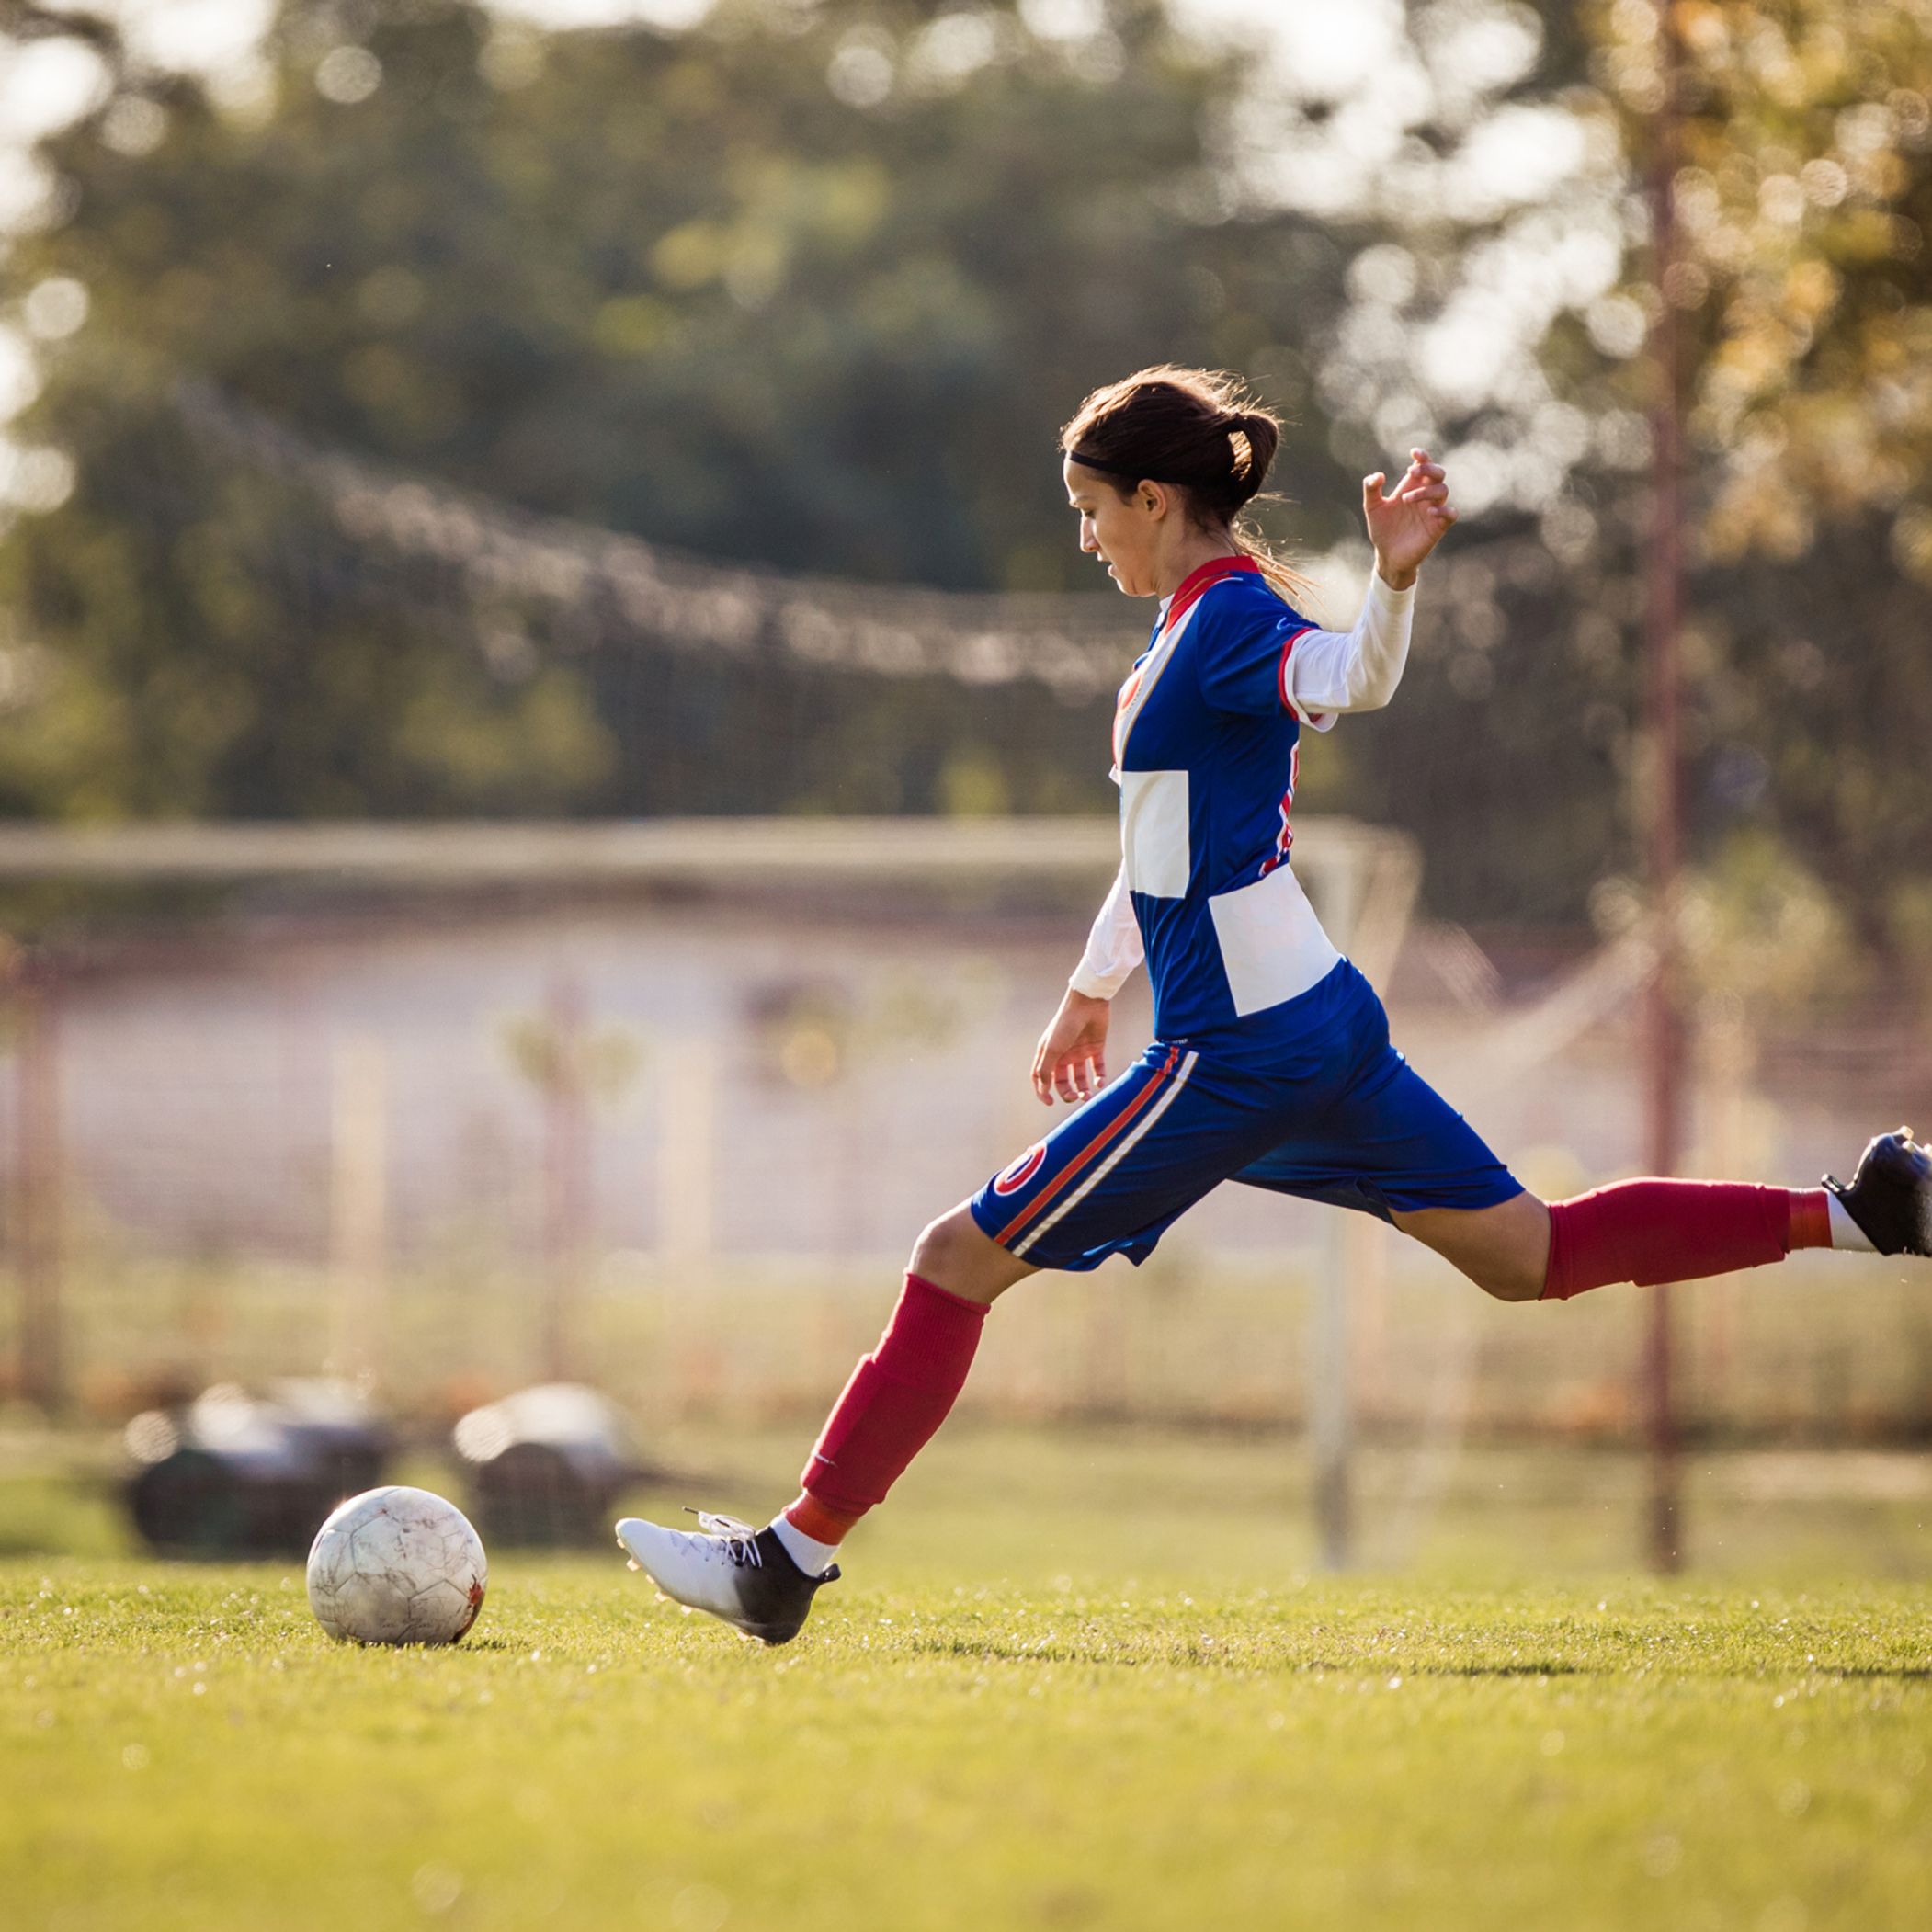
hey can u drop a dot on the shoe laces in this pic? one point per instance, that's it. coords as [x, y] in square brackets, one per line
[739, 1540]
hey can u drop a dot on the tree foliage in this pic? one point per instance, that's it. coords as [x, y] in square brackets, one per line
[812, 284]
[1803, 202]
[810, 287]
[1803, 198]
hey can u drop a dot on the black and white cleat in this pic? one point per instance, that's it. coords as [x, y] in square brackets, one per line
[1890, 1195]
[747, 1576]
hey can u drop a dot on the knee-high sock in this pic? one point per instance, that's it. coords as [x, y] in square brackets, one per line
[1654, 1231]
[897, 1398]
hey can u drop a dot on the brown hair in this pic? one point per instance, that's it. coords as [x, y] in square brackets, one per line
[1197, 429]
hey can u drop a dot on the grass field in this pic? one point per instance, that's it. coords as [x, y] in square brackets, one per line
[1027, 1706]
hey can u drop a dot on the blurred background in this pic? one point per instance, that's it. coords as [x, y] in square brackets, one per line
[553, 725]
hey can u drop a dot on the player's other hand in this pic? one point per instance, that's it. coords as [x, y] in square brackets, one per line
[1407, 522]
[1070, 1062]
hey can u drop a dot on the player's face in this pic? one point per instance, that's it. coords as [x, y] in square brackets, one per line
[1120, 530]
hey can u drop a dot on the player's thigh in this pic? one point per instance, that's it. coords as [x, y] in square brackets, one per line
[1503, 1249]
[1118, 1172]
[1389, 1144]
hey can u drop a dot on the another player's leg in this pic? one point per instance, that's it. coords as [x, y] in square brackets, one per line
[1650, 1232]
[763, 1581]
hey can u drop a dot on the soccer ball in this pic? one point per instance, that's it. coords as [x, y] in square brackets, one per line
[396, 1565]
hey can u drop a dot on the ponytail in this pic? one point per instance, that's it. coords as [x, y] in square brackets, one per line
[1198, 430]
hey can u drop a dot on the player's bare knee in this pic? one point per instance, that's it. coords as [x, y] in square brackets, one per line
[927, 1259]
[943, 1252]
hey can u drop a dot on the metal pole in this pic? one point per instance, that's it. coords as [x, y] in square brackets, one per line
[566, 1177]
[38, 1204]
[687, 1152]
[1665, 1029]
[359, 1205]
[1331, 1421]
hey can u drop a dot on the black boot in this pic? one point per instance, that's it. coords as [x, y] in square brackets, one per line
[1890, 1195]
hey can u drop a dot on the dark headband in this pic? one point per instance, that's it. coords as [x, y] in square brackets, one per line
[1129, 474]
[1100, 463]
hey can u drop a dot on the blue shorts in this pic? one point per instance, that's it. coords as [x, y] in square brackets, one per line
[1309, 1098]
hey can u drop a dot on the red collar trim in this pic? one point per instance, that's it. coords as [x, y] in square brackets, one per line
[1188, 594]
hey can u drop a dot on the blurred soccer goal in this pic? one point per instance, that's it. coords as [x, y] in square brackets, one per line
[700, 1046]
[460, 1108]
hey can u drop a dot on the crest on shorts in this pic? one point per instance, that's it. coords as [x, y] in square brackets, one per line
[1023, 1170]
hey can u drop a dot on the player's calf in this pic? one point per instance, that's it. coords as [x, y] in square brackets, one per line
[1652, 1231]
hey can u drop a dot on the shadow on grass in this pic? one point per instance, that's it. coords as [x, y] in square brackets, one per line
[1870, 1670]
[1129, 1654]
[1509, 1670]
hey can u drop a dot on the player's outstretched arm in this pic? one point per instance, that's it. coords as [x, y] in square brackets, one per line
[1070, 1062]
[1329, 673]
[1406, 523]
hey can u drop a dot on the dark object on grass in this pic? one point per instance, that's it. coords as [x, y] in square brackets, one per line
[546, 1465]
[234, 1475]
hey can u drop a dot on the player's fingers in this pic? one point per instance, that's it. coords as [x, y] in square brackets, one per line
[1041, 1085]
[1372, 490]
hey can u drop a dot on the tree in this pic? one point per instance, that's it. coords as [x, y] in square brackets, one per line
[810, 287]
[1804, 200]
[1512, 322]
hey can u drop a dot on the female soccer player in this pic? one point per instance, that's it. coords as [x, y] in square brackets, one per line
[1271, 1062]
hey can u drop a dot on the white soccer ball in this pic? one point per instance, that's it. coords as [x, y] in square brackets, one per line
[397, 1565]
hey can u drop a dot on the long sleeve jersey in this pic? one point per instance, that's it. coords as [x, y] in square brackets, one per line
[1206, 746]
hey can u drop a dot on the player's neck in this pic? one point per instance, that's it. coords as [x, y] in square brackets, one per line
[1198, 547]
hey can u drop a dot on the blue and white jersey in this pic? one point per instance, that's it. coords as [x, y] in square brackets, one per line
[1272, 1063]
[1207, 744]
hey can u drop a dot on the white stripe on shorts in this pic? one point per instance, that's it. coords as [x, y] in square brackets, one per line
[1113, 1161]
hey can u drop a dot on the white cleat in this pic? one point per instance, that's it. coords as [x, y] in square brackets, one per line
[747, 1576]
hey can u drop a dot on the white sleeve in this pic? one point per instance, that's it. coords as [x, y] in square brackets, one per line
[1330, 672]
[1113, 947]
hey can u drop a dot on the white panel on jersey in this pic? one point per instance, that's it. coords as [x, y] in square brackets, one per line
[1272, 945]
[1154, 832]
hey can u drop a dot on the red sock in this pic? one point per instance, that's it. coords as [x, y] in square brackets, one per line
[1649, 1232]
[896, 1400]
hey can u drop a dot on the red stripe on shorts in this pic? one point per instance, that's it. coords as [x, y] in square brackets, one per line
[1086, 1154]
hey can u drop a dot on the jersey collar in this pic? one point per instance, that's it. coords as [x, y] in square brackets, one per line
[1147, 669]
[1184, 599]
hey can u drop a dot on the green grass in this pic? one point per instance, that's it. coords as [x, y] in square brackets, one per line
[1027, 1706]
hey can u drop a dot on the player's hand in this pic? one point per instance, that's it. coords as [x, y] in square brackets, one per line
[1407, 522]
[1071, 1059]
